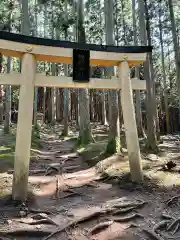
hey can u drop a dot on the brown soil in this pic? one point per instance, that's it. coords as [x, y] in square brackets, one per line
[90, 194]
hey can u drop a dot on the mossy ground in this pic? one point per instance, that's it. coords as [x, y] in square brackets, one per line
[113, 146]
[7, 155]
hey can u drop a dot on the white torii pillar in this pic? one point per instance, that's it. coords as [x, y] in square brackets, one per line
[24, 128]
[130, 123]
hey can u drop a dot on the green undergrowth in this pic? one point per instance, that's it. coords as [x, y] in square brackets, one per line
[35, 138]
[113, 146]
[80, 144]
[71, 136]
[93, 152]
[116, 166]
[6, 191]
[7, 147]
[7, 150]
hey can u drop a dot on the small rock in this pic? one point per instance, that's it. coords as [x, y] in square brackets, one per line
[124, 150]
[9, 222]
[70, 214]
[22, 213]
[152, 157]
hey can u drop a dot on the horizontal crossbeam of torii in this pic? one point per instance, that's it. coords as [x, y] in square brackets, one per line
[66, 82]
[31, 50]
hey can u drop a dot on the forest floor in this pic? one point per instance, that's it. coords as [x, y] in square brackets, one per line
[75, 195]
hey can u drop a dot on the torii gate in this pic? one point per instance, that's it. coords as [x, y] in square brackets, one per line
[32, 49]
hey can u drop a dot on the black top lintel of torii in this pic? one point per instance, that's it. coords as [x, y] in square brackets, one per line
[73, 45]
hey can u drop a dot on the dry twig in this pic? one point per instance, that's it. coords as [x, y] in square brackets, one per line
[170, 201]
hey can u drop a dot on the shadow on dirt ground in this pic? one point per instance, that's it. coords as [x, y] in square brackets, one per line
[68, 195]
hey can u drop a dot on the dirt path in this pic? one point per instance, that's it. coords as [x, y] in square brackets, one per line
[66, 189]
[87, 196]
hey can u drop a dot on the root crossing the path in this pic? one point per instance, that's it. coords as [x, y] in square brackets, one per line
[70, 200]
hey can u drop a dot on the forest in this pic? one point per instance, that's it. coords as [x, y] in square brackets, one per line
[82, 182]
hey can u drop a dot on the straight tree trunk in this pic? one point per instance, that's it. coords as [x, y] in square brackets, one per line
[45, 89]
[66, 90]
[164, 72]
[176, 49]
[153, 102]
[53, 95]
[138, 95]
[36, 88]
[48, 105]
[151, 119]
[7, 121]
[114, 131]
[52, 99]
[123, 21]
[8, 101]
[25, 24]
[103, 101]
[57, 91]
[1, 92]
[85, 135]
[75, 34]
[66, 105]
[103, 92]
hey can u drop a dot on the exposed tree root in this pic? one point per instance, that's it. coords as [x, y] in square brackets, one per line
[51, 170]
[39, 219]
[130, 204]
[176, 229]
[37, 222]
[171, 237]
[68, 195]
[60, 230]
[152, 234]
[171, 200]
[123, 210]
[173, 224]
[39, 216]
[128, 218]
[71, 167]
[77, 193]
[34, 171]
[77, 221]
[92, 184]
[162, 224]
[32, 210]
[26, 232]
[170, 224]
[99, 227]
[133, 225]
[166, 216]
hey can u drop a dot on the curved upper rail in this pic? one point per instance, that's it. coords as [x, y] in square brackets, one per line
[61, 51]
